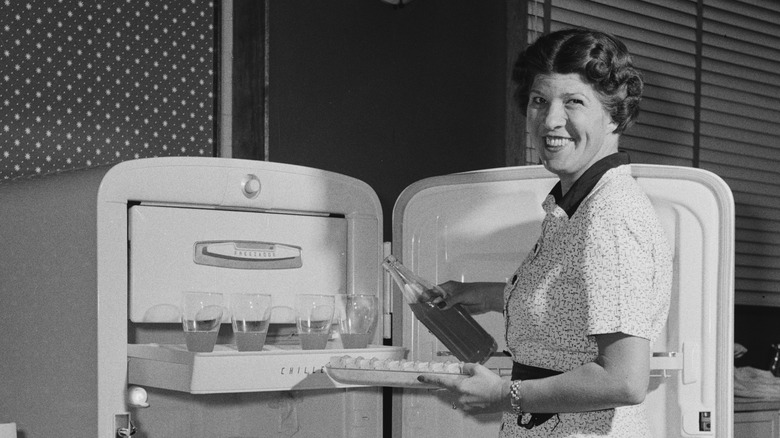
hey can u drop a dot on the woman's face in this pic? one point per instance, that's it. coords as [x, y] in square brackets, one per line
[568, 125]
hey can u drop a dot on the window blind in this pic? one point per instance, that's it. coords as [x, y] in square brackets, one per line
[661, 35]
[740, 125]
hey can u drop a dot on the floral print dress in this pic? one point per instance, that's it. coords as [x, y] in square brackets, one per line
[605, 269]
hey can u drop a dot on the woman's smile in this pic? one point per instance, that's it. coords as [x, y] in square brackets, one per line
[557, 142]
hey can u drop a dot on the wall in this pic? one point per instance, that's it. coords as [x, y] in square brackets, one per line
[387, 95]
[93, 83]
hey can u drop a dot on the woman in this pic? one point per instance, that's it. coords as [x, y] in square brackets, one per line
[582, 310]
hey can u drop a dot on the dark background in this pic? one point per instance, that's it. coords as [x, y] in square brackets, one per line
[388, 95]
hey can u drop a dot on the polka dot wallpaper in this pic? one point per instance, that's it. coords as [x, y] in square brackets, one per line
[93, 82]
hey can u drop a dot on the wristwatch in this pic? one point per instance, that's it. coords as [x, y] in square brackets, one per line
[515, 397]
[524, 419]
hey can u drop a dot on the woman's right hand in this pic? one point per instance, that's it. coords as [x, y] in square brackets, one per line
[476, 298]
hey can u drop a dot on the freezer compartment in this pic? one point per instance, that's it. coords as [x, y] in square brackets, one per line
[226, 370]
[175, 249]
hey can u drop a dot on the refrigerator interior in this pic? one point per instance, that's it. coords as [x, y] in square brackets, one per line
[479, 226]
[331, 222]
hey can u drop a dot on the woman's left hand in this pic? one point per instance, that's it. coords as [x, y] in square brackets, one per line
[479, 390]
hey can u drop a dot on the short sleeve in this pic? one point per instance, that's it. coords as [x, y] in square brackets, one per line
[626, 266]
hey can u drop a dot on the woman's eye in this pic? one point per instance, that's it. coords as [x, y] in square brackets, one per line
[576, 102]
[536, 100]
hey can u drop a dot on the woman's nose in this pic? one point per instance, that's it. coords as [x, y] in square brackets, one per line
[555, 116]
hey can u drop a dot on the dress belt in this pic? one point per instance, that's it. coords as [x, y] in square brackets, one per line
[528, 372]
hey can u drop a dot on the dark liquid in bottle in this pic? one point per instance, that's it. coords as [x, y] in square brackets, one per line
[457, 330]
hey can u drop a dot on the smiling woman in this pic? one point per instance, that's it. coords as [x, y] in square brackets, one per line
[584, 307]
[712, 74]
[579, 93]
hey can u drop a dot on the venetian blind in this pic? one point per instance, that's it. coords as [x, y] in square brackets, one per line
[661, 35]
[740, 125]
[711, 71]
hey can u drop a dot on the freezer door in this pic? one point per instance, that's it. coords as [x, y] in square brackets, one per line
[175, 249]
[478, 226]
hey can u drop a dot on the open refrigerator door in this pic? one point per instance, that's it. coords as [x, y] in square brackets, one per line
[478, 226]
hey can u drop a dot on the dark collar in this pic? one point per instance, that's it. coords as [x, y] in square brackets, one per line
[585, 183]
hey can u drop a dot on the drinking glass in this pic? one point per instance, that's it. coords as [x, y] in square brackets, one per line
[249, 314]
[357, 315]
[314, 316]
[201, 317]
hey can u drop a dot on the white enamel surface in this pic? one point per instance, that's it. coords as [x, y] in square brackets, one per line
[479, 226]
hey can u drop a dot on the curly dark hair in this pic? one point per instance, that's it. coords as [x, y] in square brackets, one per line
[599, 58]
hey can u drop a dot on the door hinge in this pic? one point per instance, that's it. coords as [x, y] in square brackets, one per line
[387, 296]
[123, 426]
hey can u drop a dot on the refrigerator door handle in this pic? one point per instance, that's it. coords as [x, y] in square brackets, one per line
[663, 362]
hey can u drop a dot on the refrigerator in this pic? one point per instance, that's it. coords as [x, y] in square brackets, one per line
[95, 261]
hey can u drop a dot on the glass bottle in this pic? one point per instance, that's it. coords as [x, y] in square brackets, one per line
[454, 327]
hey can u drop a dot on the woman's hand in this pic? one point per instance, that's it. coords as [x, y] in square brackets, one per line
[479, 391]
[476, 298]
